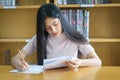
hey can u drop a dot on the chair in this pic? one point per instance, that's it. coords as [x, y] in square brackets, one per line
[7, 57]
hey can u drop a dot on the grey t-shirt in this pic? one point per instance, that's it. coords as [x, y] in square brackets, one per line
[60, 46]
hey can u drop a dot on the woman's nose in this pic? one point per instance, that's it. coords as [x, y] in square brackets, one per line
[53, 29]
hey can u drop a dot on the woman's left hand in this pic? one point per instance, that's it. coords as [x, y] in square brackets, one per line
[73, 63]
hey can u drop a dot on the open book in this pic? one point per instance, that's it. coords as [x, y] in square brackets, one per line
[57, 62]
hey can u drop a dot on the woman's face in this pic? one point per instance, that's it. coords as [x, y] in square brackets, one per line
[53, 26]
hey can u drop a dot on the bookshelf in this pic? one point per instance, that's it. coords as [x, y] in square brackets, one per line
[104, 29]
[17, 26]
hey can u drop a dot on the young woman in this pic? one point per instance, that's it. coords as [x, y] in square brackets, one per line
[55, 37]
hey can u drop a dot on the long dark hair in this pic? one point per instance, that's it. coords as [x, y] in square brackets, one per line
[51, 10]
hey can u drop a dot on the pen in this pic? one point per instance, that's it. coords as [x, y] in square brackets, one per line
[20, 53]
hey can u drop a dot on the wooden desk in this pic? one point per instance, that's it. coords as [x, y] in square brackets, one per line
[86, 73]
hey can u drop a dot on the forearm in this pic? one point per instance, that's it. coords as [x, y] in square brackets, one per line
[15, 61]
[90, 62]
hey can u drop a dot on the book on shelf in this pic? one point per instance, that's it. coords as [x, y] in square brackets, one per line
[7, 2]
[79, 19]
[64, 2]
[74, 18]
[85, 27]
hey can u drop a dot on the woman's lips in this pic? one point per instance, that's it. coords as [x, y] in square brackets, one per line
[54, 33]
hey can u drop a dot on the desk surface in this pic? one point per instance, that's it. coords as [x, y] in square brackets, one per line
[84, 73]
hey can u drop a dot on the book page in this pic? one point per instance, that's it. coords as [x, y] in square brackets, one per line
[33, 69]
[57, 62]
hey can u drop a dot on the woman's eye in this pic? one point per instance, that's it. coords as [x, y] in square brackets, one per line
[55, 23]
[47, 27]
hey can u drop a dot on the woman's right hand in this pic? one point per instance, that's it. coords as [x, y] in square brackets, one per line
[22, 66]
[18, 62]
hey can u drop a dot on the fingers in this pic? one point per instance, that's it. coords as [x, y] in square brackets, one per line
[22, 66]
[73, 63]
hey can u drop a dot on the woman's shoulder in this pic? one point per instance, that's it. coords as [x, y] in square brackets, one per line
[34, 36]
[33, 39]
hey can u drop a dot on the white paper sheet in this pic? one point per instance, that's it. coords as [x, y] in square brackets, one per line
[33, 69]
[57, 62]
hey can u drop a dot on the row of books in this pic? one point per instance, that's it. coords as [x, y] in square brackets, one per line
[7, 2]
[83, 1]
[79, 19]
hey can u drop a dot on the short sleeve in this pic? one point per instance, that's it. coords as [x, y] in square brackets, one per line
[85, 48]
[30, 47]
